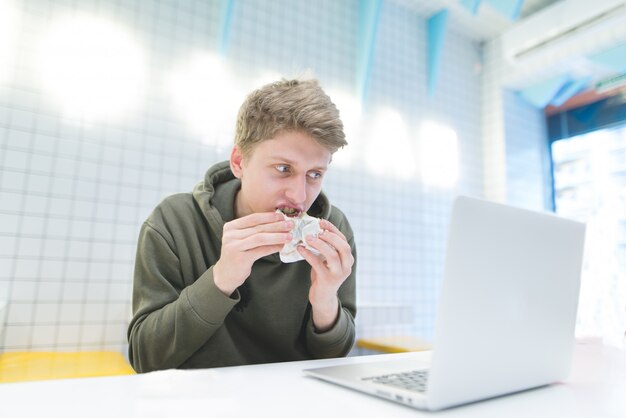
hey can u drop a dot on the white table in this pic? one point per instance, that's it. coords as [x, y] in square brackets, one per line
[596, 388]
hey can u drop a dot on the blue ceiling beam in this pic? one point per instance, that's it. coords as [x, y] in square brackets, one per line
[569, 90]
[436, 26]
[541, 94]
[471, 5]
[613, 58]
[369, 19]
[511, 9]
[226, 26]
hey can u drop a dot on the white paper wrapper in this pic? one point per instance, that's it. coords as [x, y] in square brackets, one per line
[304, 225]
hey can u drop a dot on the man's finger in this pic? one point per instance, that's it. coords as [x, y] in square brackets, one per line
[336, 241]
[315, 261]
[327, 225]
[255, 219]
[280, 226]
[334, 248]
[260, 240]
[266, 250]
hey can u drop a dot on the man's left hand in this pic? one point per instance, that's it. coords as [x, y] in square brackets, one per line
[328, 271]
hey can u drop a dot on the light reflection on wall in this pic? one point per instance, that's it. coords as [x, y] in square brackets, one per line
[438, 155]
[207, 97]
[95, 71]
[8, 33]
[92, 68]
[350, 113]
[265, 77]
[388, 150]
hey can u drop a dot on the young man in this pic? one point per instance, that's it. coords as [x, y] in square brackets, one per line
[210, 289]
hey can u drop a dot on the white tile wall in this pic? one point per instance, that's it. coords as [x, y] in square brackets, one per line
[73, 194]
[527, 154]
[515, 140]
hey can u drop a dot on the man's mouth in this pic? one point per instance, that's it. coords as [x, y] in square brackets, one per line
[290, 212]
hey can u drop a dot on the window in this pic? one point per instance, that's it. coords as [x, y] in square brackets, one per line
[590, 186]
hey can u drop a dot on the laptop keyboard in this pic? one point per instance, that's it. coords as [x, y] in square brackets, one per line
[415, 380]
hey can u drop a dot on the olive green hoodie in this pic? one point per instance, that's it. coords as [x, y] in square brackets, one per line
[182, 320]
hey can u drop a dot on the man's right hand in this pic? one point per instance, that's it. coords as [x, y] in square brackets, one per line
[244, 241]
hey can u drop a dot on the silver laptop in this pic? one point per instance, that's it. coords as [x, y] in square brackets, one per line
[506, 313]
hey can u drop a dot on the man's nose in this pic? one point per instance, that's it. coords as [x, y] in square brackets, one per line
[296, 190]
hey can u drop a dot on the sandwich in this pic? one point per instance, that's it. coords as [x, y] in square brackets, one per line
[304, 225]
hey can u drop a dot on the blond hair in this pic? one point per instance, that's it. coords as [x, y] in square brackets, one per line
[289, 105]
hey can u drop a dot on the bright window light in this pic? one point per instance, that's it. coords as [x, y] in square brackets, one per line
[438, 155]
[350, 114]
[388, 151]
[207, 97]
[8, 39]
[92, 68]
[590, 186]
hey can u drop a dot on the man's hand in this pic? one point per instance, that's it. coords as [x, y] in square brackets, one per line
[244, 241]
[328, 271]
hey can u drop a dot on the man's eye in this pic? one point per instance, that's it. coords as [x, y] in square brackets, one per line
[315, 175]
[282, 168]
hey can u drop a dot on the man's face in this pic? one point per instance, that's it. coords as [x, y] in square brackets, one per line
[283, 172]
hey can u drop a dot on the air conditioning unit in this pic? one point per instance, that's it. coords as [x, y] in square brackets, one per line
[564, 27]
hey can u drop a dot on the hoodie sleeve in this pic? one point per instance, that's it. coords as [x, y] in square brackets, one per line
[338, 340]
[171, 321]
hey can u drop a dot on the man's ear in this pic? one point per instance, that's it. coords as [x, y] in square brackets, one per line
[236, 161]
